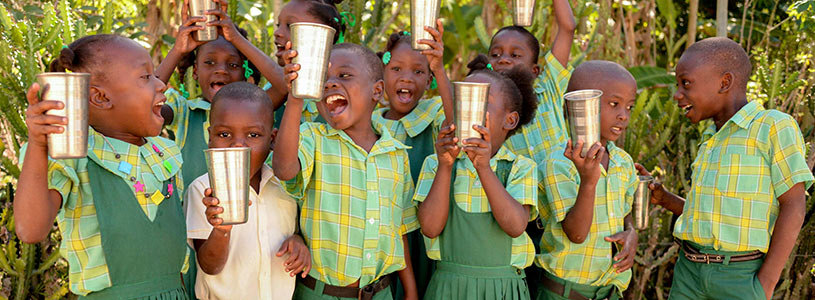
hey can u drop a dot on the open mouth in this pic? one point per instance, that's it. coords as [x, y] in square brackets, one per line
[617, 129]
[686, 108]
[404, 96]
[336, 104]
[157, 107]
[216, 86]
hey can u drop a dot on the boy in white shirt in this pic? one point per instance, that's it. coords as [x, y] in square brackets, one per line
[258, 259]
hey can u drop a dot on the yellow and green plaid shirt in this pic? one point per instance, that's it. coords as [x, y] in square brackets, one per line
[738, 174]
[470, 196]
[355, 206]
[548, 129]
[590, 262]
[181, 120]
[81, 237]
[310, 112]
[428, 112]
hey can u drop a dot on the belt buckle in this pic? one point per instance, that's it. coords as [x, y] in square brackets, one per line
[707, 258]
[366, 293]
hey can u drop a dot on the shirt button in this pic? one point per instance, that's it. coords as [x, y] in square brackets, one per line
[611, 214]
[608, 256]
[371, 220]
[368, 256]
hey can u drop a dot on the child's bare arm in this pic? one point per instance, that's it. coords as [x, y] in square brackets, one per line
[184, 44]
[267, 67]
[792, 206]
[214, 251]
[578, 220]
[36, 206]
[285, 161]
[406, 274]
[433, 211]
[565, 30]
[662, 197]
[435, 57]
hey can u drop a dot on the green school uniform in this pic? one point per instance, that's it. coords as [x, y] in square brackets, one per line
[119, 242]
[419, 130]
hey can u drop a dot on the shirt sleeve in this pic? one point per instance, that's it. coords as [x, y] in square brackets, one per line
[522, 184]
[426, 177]
[410, 220]
[631, 187]
[197, 225]
[554, 77]
[438, 120]
[787, 153]
[62, 175]
[177, 104]
[296, 187]
[561, 184]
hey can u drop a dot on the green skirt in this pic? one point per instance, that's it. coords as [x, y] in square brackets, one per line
[162, 288]
[456, 281]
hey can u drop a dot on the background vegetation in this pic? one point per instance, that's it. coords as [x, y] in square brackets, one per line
[648, 36]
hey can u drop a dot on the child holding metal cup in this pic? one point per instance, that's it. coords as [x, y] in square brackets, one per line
[413, 119]
[474, 204]
[353, 186]
[259, 258]
[118, 209]
[589, 241]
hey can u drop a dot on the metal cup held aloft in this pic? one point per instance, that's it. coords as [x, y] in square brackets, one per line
[229, 178]
[583, 113]
[197, 9]
[422, 13]
[470, 108]
[642, 200]
[523, 12]
[313, 43]
[72, 89]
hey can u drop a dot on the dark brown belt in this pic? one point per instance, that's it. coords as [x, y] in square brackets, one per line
[694, 255]
[558, 288]
[365, 293]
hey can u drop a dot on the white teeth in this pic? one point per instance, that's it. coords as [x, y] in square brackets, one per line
[333, 98]
[403, 91]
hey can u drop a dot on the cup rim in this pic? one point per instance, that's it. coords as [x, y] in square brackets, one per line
[471, 83]
[645, 178]
[583, 95]
[228, 149]
[310, 24]
[63, 74]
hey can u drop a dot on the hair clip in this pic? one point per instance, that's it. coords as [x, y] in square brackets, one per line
[434, 84]
[348, 21]
[247, 71]
[64, 46]
[183, 91]
[386, 57]
[406, 33]
[489, 66]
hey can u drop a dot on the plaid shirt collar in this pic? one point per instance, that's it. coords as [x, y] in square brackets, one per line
[100, 152]
[199, 103]
[385, 144]
[416, 121]
[742, 118]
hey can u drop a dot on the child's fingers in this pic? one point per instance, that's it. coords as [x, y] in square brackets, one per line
[594, 151]
[433, 32]
[214, 210]
[641, 169]
[306, 268]
[283, 249]
[297, 268]
[47, 120]
[39, 109]
[293, 255]
[291, 68]
[207, 192]
[32, 95]
[440, 28]
[287, 46]
[223, 3]
[291, 77]
[190, 23]
[185, 11]
[210, 201]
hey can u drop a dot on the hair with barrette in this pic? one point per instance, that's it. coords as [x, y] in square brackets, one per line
[515, 85]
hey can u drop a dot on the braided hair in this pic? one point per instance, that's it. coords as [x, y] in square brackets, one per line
[515, 85]
[326, 11]
[82, 55]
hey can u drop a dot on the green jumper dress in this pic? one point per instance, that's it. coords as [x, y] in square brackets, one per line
[476, 256]
[423, 267]
[144, 258]
[195, 165]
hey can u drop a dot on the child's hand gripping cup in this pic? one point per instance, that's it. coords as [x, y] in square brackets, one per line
[642, 199]
[72, 89]
[470, 108]
[313, 44]
[229, 178]
[523, 12]
[583, 114]
[423, 13]
[197, 9]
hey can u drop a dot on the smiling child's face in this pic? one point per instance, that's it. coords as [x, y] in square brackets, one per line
[619, 97]
[509, 49]
[697, 87]
[236, 123]
[407, 76]
[350, 93]
[217, 64]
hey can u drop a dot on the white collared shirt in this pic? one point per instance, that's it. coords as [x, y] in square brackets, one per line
[252, 270]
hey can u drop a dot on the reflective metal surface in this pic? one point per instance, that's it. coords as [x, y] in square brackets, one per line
[313, 43]
[642, 200]
[470, 108]
[197, 9]
[229, 179]
[422, 13]
[583, 114]
[72, 89]
[523, 12]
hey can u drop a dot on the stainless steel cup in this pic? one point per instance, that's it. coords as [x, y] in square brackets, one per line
[470, 108]
[583, 113]
[229, 178]
[422, 13]
[523, 12]
[642, 199]
[313, 43]
[197, 9]
[72, 90]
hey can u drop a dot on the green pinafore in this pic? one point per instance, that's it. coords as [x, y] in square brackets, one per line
[423, 267]
[144, 257]
[194, 166]
[476, 255]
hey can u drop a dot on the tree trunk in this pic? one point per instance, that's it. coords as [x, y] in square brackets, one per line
[721, 18]
[693, 14]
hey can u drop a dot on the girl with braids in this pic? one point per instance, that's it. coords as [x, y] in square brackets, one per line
[214, 64]
[312, 11]
[413, 120]
[474, 208]
[118, 209]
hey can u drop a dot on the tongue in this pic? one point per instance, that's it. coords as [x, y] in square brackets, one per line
[404, 97]
[338, 107]
[216, 88]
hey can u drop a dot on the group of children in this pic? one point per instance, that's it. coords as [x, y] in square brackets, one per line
[364, 201]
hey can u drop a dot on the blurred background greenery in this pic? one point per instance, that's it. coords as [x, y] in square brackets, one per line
[647, 36]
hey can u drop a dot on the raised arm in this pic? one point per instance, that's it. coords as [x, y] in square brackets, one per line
[285, 161]
[565, 30]
[184, 44]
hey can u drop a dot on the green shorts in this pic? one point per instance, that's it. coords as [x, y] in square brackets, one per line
[735, 280]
